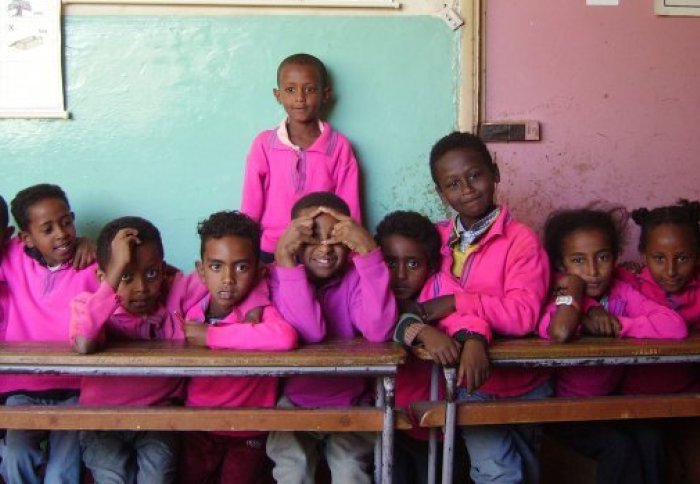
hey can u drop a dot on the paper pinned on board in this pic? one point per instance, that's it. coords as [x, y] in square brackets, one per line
[31, 75]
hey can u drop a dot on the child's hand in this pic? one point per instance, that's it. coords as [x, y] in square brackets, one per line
[598, 322]
[570, 285]
[349, 233]
[632, 266]
[84, 253]
[254, 316]
[444, 349]
[439, 307]
[299, 232]
[473, 365]
[122, 248]
[196, 333]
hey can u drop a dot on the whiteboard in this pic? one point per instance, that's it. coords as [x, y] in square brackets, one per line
[677, 7]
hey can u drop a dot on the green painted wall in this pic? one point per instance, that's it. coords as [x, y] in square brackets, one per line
[165, 107]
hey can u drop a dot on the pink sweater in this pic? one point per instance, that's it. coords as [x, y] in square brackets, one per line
[652, 379]
[38, 309]
[101, 317]
[501, 290]
[358, 303]
[272, 333]
[277, 175]
[639, 318]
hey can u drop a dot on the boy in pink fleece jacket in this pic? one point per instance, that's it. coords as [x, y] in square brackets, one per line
[324, 295]
[139, 298]
[584, 244]
[41, 280]
[303, 155]
[236, 313]
[493, 279]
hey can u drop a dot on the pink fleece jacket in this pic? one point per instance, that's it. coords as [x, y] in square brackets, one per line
[272, 333]
[38, 309]
[639, 318]
[277, 175]
[100, 317]
[654, 379]
[360, 302]
[501, 291]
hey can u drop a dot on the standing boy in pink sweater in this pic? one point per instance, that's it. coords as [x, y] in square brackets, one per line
[303, 155]
[325, 295]
[138, 299]
[37, 267]
[236, 313]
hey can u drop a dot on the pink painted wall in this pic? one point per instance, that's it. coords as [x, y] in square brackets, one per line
[617, 93]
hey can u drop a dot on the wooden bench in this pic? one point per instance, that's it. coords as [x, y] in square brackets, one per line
[533, 352]
[357, 357]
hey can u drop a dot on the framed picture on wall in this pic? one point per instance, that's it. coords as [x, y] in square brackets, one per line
[677, 7]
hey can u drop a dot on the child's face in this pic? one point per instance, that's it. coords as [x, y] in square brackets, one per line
[142, 280]
[323, 261]
[408, 265]
[466, 183]
[51, 231]
[230, 271]
[588, 254]
[301, 92]
[671, 256]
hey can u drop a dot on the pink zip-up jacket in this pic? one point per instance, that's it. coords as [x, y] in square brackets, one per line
[359, 303]
[501, 291]
[277, 175]
[639, 317]
[38, 309]
[100, 317]
[272, 333]
[654, 379]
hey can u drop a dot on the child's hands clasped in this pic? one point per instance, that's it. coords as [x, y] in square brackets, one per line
[570, 285]
[473, 365]
[444, 349]
[598, 322]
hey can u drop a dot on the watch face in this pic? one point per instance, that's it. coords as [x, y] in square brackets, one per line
[564, 301]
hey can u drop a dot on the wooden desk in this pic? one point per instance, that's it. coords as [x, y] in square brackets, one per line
[586, 351]
[355, 357]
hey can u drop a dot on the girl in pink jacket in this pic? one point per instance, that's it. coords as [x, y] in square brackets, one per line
[303, 155]
[669, 241]
[493, 279]
[584, 244]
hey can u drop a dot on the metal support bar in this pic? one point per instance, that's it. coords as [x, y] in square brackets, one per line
[450, 424]
[388, 432]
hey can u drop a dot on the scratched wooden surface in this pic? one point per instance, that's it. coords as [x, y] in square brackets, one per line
[512, 350]
[351, 353]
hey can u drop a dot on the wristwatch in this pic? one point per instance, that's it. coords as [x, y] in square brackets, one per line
[562, 300]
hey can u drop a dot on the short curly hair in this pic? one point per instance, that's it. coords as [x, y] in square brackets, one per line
[147, 232]
[321, 199]
[305, 60]
[560, 224]
[458, 140]
[684, 213]
[229, 222]
[30, 196]
[414, 226]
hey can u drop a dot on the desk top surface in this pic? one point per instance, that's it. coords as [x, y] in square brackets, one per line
[351, 353]
[591, 350]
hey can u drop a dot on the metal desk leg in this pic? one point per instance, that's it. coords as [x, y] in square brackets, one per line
[432, 445]
[450, 423]
[388, 432]
[378, 443]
